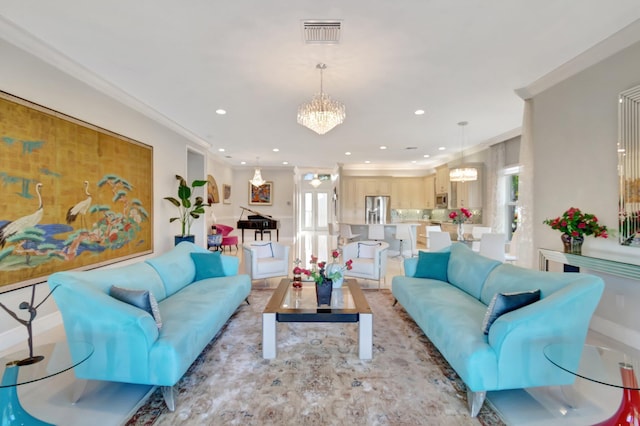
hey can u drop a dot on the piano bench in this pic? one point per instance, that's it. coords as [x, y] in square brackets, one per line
[261, 232]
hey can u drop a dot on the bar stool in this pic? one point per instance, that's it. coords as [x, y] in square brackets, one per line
[403, 233]
[346, 234]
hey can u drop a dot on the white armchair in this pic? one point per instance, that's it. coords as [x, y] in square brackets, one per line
[266, 260]
[369, 259]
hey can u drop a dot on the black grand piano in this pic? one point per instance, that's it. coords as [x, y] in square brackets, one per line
[261, 223]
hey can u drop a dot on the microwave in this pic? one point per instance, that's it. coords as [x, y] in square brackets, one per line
[442, 201]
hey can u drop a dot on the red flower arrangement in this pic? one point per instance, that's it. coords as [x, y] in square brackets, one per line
[461, 217]
[577, 224]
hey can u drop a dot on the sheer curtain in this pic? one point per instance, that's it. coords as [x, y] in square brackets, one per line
[495, 214]
[526, 255]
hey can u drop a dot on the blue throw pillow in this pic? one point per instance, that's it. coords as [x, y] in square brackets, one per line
[507, 302]
[433, 265]
[142, 299]
[208, 265]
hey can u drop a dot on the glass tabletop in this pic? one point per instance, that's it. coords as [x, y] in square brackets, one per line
[595, 363]
[57, 359]
[305, 298]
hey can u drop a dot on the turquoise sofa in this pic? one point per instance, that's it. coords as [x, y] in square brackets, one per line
[128, 345]
[510, 356]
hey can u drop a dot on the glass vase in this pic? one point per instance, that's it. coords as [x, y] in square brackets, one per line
[331, 269]
[571, 244]
[460, 232]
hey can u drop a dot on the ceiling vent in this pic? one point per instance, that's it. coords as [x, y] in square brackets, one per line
[321, 32]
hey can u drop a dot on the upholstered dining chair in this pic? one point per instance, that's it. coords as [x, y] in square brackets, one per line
[476, 233]
[438, 240]
[492, 246]
[369, 259]
[512, 255]
[432, 228]
[227, 240]
[266, 259]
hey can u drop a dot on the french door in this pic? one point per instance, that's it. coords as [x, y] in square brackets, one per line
[315, 210]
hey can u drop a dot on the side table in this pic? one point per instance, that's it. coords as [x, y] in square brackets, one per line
[607, 367]
[57, 359]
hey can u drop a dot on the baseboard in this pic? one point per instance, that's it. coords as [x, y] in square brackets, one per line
[616, 331]
[18, 335]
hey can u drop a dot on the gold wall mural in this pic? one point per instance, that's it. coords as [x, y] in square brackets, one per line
[74, 196]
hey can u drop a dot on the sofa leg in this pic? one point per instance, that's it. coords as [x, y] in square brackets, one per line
[169, 396]
[247, 300]
[395, 302]
[78, 389]
[475, 401]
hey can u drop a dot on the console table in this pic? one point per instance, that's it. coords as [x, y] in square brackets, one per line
[620, 269]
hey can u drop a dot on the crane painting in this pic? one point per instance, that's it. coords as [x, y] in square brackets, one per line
[73, 195]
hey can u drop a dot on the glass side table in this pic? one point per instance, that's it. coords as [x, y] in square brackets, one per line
[56, 359]
[607, 367]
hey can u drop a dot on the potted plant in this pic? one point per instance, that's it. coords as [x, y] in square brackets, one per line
[188, 209]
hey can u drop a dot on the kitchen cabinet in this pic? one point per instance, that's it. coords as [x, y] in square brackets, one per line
[430, 192]
[407, 193]
[442, 180]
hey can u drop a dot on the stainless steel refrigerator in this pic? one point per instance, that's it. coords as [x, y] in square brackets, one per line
[377, 209]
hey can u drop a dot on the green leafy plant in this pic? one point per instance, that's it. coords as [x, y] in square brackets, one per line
[188, 210]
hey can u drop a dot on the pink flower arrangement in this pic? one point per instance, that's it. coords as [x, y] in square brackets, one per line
[460, 217]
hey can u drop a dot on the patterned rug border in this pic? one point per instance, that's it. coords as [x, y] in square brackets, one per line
[151, 410]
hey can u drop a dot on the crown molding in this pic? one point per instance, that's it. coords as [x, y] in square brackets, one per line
[26, 41]
[600, 51]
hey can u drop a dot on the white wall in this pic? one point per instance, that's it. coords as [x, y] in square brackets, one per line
[574, 138]
[25, 76]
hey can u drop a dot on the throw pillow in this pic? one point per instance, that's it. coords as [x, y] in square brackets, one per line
[432, 265]
[208, 265]
[263, 250]
[367, 250]
[142, 299]
[507, 302]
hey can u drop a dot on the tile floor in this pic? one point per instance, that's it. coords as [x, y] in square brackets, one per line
[113, 403]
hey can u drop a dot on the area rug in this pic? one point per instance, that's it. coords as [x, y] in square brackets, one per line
[317, 377]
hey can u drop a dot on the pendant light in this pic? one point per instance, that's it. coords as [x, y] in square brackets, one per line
[461, 173]
[257, 176]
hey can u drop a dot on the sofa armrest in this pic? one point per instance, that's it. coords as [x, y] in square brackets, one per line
[93, 316]
[549, 316]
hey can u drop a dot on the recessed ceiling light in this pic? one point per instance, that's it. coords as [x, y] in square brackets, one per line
[419, 112]
[383, 147]
[276, 150]
[426, 156]
[367, 161]
[347, 153]
[442, 148]
[221, 111]
[220, 149]
[285, 162]
[414, 162]
[243, 162]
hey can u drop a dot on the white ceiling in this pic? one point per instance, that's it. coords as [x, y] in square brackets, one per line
[458, 60]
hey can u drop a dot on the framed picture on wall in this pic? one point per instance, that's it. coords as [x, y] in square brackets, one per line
[226, 193]
[261, 195]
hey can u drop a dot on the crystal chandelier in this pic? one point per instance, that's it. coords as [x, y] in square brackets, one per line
[463, 174]
[315, 182]
[322, 113]
[257, 176]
